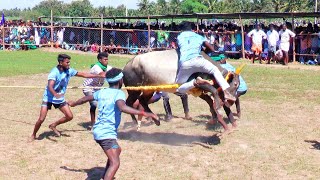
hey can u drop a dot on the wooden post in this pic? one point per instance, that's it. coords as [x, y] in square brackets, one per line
[51, 19]
[101, 34]
[242, 36]
[197, 24]
[293, 42]
[83, 38]
[149, 34]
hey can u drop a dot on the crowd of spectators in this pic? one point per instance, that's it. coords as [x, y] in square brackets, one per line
[132, 38]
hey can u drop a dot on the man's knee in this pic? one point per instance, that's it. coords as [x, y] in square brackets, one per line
[69, 117]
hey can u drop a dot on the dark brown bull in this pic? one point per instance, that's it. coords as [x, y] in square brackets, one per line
[159, 68]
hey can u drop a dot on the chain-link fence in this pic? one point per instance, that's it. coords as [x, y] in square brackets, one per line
[225, 38]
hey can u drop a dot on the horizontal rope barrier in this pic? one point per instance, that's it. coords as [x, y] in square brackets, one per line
[133, 88]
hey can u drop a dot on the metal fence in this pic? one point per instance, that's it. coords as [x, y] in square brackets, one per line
[304, 46]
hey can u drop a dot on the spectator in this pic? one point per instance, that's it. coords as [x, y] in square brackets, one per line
[272, 38]
[285, 35]
[257, 35]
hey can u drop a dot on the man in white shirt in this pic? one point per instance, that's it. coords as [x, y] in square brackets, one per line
[60, 34]
[285, 35]
[100, 67]
[273, 38]
[257, 35]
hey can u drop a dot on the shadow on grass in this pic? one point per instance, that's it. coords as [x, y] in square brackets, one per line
[315, 144]
[172, 139]
[215, 127]
[50, 134]
[86, 125]
[93, 173]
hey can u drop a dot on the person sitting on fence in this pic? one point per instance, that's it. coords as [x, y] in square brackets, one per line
[111, 48]
[162, 38]
[15, 44]
[133, 49]
[119, 49]
[94, 48]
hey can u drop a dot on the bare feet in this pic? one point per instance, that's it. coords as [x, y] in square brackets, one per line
[53, 128]
[234, 126]
[32, 138]
[226, 132]
[139, 125]
[211, 122]
[199, 81]
[187, 116]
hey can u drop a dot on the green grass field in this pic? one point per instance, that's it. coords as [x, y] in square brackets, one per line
[33, 62]
[278, 135]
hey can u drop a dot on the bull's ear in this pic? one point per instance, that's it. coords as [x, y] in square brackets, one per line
[239, 69]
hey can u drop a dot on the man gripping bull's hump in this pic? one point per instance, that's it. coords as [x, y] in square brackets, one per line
[191, 61]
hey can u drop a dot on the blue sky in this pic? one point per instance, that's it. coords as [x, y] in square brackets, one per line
[9, 4]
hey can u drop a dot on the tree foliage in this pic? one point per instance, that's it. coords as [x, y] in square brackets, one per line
[84, 8]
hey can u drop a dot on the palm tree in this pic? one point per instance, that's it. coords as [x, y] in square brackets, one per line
[174, 6]
[143, 6]
[161, 7]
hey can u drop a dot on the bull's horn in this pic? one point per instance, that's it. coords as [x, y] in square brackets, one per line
[228, 76]
[239, 69]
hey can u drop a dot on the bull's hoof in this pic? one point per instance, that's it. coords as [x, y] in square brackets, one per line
[168, 117]
[157, 122]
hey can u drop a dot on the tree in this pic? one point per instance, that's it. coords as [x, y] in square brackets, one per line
[174, 7]
[193, 6]
[44, 7]
[143, 6]
[161, 7]
[81, 8]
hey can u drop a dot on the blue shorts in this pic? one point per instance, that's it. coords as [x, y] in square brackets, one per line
[107, 144]
[50, 104]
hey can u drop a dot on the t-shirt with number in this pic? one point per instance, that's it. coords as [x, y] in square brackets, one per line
[61, 79]
[109, 116]
[190, 44]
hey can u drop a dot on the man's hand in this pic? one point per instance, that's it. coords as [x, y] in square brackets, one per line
[154, 116]
[58, 96]
[71, 103]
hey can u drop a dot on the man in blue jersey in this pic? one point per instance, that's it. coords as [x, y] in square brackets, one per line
[58, 80]
[111, 102]
[242, 89]
[190, 61]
